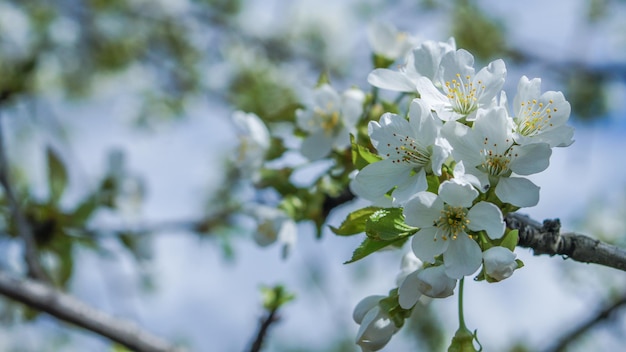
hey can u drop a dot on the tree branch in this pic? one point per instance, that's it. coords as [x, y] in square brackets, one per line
[263, 330]
[546, 238]
[67, 308]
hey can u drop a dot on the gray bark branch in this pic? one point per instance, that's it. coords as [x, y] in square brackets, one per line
[547, 239]
[67, 308]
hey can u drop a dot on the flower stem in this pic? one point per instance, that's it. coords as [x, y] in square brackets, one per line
[461, 316]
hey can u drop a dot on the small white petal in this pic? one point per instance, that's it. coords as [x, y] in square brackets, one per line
[486, 216]
[518, 191]
[378, 178]
[463, 257]
[364, 306]
[456, 194]
[408, 292]
[392, 80]
[423, 209]
[531, 158]
[434, 282]
[317, 145]
[413, 185]
[426, 246]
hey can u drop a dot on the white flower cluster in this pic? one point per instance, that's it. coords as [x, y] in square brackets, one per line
[461, 133]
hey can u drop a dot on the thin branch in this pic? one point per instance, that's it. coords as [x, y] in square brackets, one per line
[67, 308]
[24, 229]
[604, 314]
[263, 330]
[547, 239]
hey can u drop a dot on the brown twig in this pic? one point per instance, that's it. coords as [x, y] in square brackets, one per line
[263, 329]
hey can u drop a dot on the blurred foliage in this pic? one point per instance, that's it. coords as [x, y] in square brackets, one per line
[476, 32]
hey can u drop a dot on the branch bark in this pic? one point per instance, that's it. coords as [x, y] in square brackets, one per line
[67, 308]
[547, 239]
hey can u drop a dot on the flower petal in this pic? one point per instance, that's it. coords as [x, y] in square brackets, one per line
[423, 210]
[434, 282]
[378, 178]
[518, 191]
[426, 246]
[364, 306]
[466, 144]
[457, 194]
[531, 158]
[463, 257]
[392, 80]
[414, 184]
[408, 292]
[486, 216]
[317, 145]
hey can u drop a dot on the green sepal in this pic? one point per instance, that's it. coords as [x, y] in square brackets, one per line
[380, 61]
[463, 341]
[57, 175]
[388, 225]
[391, 306]
[322, 79]
[520, 264]
[433, 183]
[361, 156]
[354, 222]
[510, 240]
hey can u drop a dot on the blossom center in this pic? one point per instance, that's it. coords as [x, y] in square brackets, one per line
[328, 119]
[534, 116]
[452, 222]
[408, 151]
[464, 94]
[494, 164]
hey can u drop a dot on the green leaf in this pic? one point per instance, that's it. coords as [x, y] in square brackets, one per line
[57, 175]
[275, 297]
[388, 225]
[84, 211]
[369, 246]
[355, 222]
[361, 156]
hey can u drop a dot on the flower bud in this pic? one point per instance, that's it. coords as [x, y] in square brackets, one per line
[499, 263]
[376, 327]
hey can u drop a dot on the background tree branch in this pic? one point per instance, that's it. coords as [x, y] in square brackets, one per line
[606, 312]
[71, 310]
[547, 238]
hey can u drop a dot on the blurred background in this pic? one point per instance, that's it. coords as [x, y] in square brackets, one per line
[127, 106]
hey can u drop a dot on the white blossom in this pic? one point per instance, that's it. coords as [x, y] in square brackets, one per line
[488, 151]
[329, 120]
[458, 91]
[445, 219]
[410, 150]
[423, 61]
